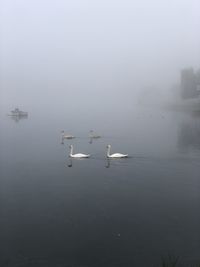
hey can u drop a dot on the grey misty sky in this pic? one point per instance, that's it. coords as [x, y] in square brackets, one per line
[91, 50]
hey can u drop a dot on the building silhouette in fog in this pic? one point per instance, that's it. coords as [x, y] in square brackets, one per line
[190, 83]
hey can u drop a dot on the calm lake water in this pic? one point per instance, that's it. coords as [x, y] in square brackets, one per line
[129, 212]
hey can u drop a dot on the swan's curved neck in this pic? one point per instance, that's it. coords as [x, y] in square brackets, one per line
[71, 150]
[108, 151]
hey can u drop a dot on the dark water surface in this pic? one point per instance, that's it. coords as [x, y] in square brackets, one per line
[60, 212]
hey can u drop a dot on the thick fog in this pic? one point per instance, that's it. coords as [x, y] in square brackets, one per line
[93, 54]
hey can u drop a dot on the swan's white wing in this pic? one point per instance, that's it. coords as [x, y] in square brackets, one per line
[80, 155]
[118, 155]
[69, 136]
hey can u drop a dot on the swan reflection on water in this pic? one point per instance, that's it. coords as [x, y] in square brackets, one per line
[91, 140]
[115, 162]
[108, 162]
[70, 161]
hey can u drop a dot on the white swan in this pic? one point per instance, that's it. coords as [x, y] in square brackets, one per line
[67, 136]
[92, 135]
[115, 155]
[78, 155]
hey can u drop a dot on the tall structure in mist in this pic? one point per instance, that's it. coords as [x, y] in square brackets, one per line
[198, 80]
[190, 83]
